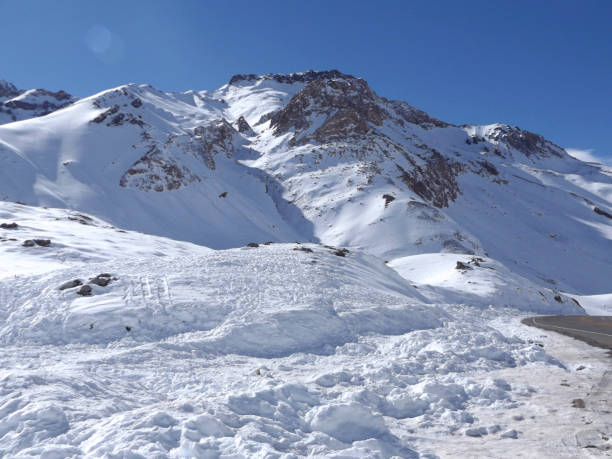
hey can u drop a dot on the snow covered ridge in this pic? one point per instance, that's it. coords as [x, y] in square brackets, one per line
[17, 104]
[300, 77]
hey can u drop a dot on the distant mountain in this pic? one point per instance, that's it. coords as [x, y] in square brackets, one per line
[317, 156]
[17, 104]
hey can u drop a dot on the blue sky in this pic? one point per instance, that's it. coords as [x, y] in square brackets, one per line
[545, 66]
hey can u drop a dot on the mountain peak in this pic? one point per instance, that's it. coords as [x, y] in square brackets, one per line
[8, 89]
[290, 78]
[17, 104]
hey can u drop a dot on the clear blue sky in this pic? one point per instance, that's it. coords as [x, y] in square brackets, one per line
[545, 66]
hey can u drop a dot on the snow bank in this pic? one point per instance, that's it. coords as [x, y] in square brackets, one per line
[597, 305]
[481, 282]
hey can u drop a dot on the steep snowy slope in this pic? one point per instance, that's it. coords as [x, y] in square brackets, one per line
[17, 105]
[386, 177]
[148, 161]
[317, 156]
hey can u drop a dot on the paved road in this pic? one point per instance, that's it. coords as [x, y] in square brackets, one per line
[595, 330]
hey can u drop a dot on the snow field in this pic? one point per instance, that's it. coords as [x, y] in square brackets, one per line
[279, 350]
[366, 398]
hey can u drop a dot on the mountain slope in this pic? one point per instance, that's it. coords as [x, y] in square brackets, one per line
[124, 156]
[317, 156]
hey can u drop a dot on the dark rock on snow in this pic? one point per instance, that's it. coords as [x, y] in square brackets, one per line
[101, 279]
[71, 284]
[85, 290]
[388, 199]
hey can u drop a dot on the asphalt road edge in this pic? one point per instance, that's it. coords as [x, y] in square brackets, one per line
[530, 321]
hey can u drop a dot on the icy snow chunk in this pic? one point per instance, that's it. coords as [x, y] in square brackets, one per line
[161, 419]
[205, 425]
[401, 405]
[340, 377]
[347, 423]
[29, 424]
[450, 396]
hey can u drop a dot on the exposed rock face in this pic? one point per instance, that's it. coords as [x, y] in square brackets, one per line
[346, 118]
[17, 105]
[526, 142]
[347, 106]
[599, 211]
[122, 106]
[413, 115]
[8, 90]
[163, 168]
[434, 181]
[156, 172]
[243, 127]
[101, 279]
[71, 284]
[39, 242]
[113, 117]
[85, 290]
[213, 139]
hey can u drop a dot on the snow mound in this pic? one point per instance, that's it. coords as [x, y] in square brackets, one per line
[481, 282]
[265, 301]
[347, 422]
[75, 239]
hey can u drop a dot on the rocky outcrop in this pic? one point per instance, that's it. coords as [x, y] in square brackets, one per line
[17, 104]
[155, 171]
[412, 115]
[435, 181]
[8, 90]
[526, 142]
[291, 78]
[113, 117]
[347, 108]
[163, 168]
[243, 127]
[602, 212]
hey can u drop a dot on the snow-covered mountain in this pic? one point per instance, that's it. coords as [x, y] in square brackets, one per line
[317, 156]
[17, 104]
[287, 266]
